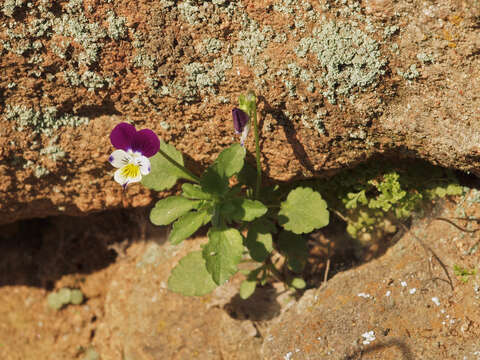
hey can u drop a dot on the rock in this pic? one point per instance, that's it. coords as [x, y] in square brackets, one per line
[143, 320]
[402, 305]
[337, 82]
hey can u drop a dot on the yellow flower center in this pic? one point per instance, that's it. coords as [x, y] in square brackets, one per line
[130, 171]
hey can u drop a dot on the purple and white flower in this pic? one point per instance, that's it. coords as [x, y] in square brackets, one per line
[133, 150]
[241, 123]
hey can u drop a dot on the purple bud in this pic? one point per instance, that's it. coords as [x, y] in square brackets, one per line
[240, 120]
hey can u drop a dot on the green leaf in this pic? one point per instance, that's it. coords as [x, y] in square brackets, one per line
[240, 209]
[214, 183]
[164, 174]
[187, 225]
[259, 239]
[353, 199]
[223, 253]
[298, 283]
[170, 209]
[247, 288]
[193, 191]
[228, 163]
[190, 277]
[303, 211]
[249, 210]
[295, 248]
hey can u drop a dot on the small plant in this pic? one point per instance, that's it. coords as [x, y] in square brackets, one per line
[463, 273]
[249, 222]
[63, 297]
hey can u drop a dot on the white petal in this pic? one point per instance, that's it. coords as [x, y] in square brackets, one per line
[120, 158]
[144, 164]
[122, 177]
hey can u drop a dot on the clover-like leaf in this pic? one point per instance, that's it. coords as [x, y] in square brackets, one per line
[303, 211]
[259, 239]
[170, 209]
[193, 191]
[295, 248]
[222, 253]
[190, 277]
[164, 174]
[187, 225]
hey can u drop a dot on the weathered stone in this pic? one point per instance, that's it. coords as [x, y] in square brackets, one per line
[338, 81]
[408, 304]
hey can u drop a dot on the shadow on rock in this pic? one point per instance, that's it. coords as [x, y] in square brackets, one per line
[401, 346]
[37, 252]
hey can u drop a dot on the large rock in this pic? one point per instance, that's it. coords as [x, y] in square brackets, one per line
[408, 304]
[337, 81]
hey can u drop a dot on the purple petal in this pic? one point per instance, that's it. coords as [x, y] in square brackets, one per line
[147, 142]
[122, 136]
[240, 119]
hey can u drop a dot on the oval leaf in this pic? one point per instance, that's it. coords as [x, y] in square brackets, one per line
[170, 209]
[230, 160]
[303, 211]
[248, 210]
[247, 288]
[259, 239]
[190, 277]
[164, 174]
[193, 191]
[187, 225]
[295, 248]
[223, 253]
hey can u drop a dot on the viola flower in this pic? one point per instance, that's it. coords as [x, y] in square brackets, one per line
[133, 150]
[241, 123]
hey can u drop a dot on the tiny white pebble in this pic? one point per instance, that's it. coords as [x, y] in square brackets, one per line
[366, 296]
[369, 336]
[403, 283]
[412, 291]
[388, 293]
[436, 301]
[288, 355]
[442, 311]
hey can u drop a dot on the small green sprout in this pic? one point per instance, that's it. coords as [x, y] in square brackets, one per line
[463, 273]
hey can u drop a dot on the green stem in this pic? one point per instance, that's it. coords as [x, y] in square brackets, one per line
[257, 151]
[193, 177]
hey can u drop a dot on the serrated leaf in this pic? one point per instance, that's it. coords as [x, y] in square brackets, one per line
[247, 288]
[164, 174]
[303, 211]
[193, 191]
[222, 253]
[190, 277]
[259, 239]
[298, 283]
[187, 225]
[295, 248]
[170, 209]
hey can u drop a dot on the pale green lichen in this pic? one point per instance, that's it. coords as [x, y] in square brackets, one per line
[411, 74]
[351, 59]
[40, 171]
[41, 121]
[9, 6]
[92, 81]
[425, 58]
[212, 45]
[116, 26]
